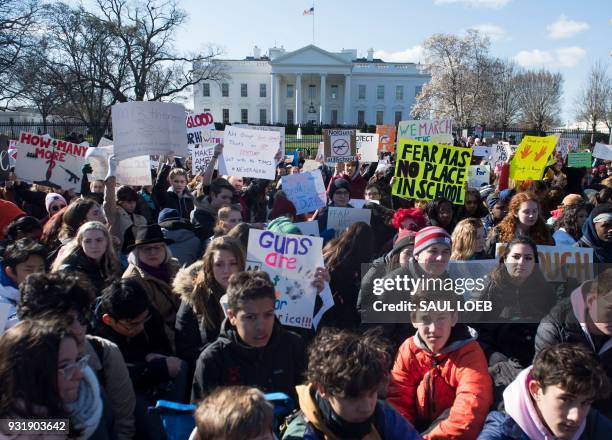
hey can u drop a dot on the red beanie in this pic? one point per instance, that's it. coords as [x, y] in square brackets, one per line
[282, 207]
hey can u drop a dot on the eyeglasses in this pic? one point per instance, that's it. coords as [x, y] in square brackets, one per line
[68, 370]
[129, 326]
[56, 208]
[151, 249]
[342, 193]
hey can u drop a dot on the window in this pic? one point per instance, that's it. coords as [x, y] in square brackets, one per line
[398, 117]
[379, 117]
[262, 90]
[289, 90]
[289, 116]
[243, 90]
[206, 89]
[380, 92]
[226, 115]
[362, 91]
[399, 93]
[334, 117]
[334, 91]
[312, 90]
[417, 90]
[244, 116]
[361, 118]
[206, 109]
[263, 117]
[225, 90]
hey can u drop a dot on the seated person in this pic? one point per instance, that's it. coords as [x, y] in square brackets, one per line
[345, 374]
[440, 381]
[248, 349]
[552, 399]
[234, 413]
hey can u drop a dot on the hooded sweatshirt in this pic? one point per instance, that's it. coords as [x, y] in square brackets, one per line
[9, 296]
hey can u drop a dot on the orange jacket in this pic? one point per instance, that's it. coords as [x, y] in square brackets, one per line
[423, 386]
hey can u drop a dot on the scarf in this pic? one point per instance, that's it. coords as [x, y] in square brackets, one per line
[338, 425]
[602, 252]
[161, 272]
[86, 411]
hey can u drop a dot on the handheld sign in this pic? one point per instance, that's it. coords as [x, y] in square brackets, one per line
[202, 153]
[249, 153]
[479, 175]
[339, 145]
[309, 228]
[531, 157]
[280, 130]
[197, 125]
[579, 160]
[135, 171]
[426, 171]
[305, 190]
[602, 151]
[5, 162]
[427, 130]
[341, 218]
[386, 138]
[367, 147]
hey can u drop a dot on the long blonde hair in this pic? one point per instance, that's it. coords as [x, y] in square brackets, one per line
[464, 238]
[109, 263]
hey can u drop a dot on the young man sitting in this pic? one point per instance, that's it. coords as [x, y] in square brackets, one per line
[253, 348]
[345, 374]
[440, 381]
[552, 399]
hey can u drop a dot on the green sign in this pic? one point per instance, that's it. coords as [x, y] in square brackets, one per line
[579, 160]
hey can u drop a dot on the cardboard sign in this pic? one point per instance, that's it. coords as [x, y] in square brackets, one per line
[291, 261]
[339, 145]
[478, 175]
[481, 151]
[427, 130]
[249, 153]
[579, 160]
[531, 157]
[202, 153]
[341, 218]
[500, 153]
[280, 130]
[196, 126]
[367, 147]
[309, 228]
[602, 151]
[426, 171]
[310, 165]
[566, 146]
[135, 171]
[144, 128]
[305, 190]
[51, 162]
[386, 138]
[5, 162]
[558, 263]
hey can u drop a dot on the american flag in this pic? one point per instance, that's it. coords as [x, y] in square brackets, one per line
[308, 11]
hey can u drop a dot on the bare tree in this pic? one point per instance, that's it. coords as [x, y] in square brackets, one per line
[506, 106]
[539, 98]
[591, 101]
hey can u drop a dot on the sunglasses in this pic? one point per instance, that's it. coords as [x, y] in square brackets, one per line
[68, 370]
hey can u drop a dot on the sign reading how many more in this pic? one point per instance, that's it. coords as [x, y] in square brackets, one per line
[426, 171]
[339, 145]
[291, 261]
[531, 157]
[427, 130]
[305, 190]
[249, 153]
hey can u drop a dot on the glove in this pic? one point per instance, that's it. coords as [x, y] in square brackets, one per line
[112, 166]
[86, 169]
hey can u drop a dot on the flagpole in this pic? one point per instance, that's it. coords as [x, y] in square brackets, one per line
[313, 22]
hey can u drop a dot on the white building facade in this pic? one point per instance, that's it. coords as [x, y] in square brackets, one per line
[311, 85]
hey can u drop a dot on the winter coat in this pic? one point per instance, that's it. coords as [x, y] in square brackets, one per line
[204, 218]
[523, 423]
[229, 361]
[81, 265]
[321, 218]
[562, 238]
[186, 247]
[602, 252]
[254, 201]
[9, 294]
[357, 184]
[489, 223]
[566, 324]
[424, 385]
[310, 423]
[377, 269]
[167, 198]
[118, 218]
[344, 283]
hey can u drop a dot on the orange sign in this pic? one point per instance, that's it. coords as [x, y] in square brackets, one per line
[386, 138]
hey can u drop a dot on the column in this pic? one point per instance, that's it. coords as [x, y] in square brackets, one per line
[298, 99]
[323, 96]
[347, 99]
[273, 92]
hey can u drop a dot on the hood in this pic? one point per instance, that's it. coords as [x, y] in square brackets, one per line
[176, 224]
[8, 288]
[203, 203]
[178, 235]
[520, 407]
[246, 352]
[184, 281]
[579, 309]
[186, 194]
[602, 252]
[460, 336]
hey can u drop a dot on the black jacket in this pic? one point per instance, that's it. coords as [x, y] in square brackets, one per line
[80, 264]
[228, 361]
[170, 199]
[191, 335]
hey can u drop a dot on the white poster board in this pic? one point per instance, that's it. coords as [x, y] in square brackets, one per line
[135, 171]
[427, 130]
[602, 151]
[202, 153]
[249, 153]
[367, 147]
[197, 125]
[481, 151]
[280, 130]
[478, 175]
[309, 228]
[305, 190]
[341, 218]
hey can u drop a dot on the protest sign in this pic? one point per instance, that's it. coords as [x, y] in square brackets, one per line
[339, 145]
[249, 153]
[51, 162]
[341, 218]
[500, 153]
[481, 151]
[558, 263]
[291, 261]
[426, 171]
[5, 163]
[478, 175]
[145, 127]
[280, 130]
[427, 130]
[305, 190]
[602, 151]
[202, 153]
[310, 165]
[5, 310]
[367, 147]
[134, 171]
[565, 146]
[386, 138]
[197, 125]
[309, 228]
[12, 152]
[579, 160]
[531, 157]
[320, 152]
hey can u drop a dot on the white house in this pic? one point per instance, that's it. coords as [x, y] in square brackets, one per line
[311, 85]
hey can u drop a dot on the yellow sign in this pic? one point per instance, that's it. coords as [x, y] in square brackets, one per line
[427, 170]
[531, 157]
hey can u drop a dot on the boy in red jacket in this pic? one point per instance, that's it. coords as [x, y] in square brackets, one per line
[440, 382]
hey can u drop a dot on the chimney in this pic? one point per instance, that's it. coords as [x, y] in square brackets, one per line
[370, 54]
[256, 52]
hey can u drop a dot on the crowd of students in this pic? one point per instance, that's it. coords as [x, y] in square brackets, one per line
[123, 296]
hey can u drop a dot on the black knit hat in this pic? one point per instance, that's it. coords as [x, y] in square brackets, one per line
[339, 184]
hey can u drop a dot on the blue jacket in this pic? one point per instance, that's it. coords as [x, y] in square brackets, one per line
[499, 426]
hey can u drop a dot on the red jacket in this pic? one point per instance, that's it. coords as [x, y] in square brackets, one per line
[423, 386]
[358, 185]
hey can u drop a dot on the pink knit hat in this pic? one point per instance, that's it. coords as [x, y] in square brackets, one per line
[53, 197]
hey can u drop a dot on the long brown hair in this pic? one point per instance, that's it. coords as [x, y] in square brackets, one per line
[354, 247]
[51, 230]
[507, 227]
[464, 238]
[74, 216]
[208, 291]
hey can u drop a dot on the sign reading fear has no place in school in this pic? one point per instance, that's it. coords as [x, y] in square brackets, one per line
[426, 171]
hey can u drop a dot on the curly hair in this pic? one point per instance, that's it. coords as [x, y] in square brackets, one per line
[347, 364]
[464, 238]
[569, 220]
[507, 227]
[415, 214]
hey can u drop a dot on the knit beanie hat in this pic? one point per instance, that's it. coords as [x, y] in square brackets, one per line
[53, 197]
[429, 236]
[603, 211]
[572, 199]
[405, 238]
[338, 184]
[281, 207]
[283, 225]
